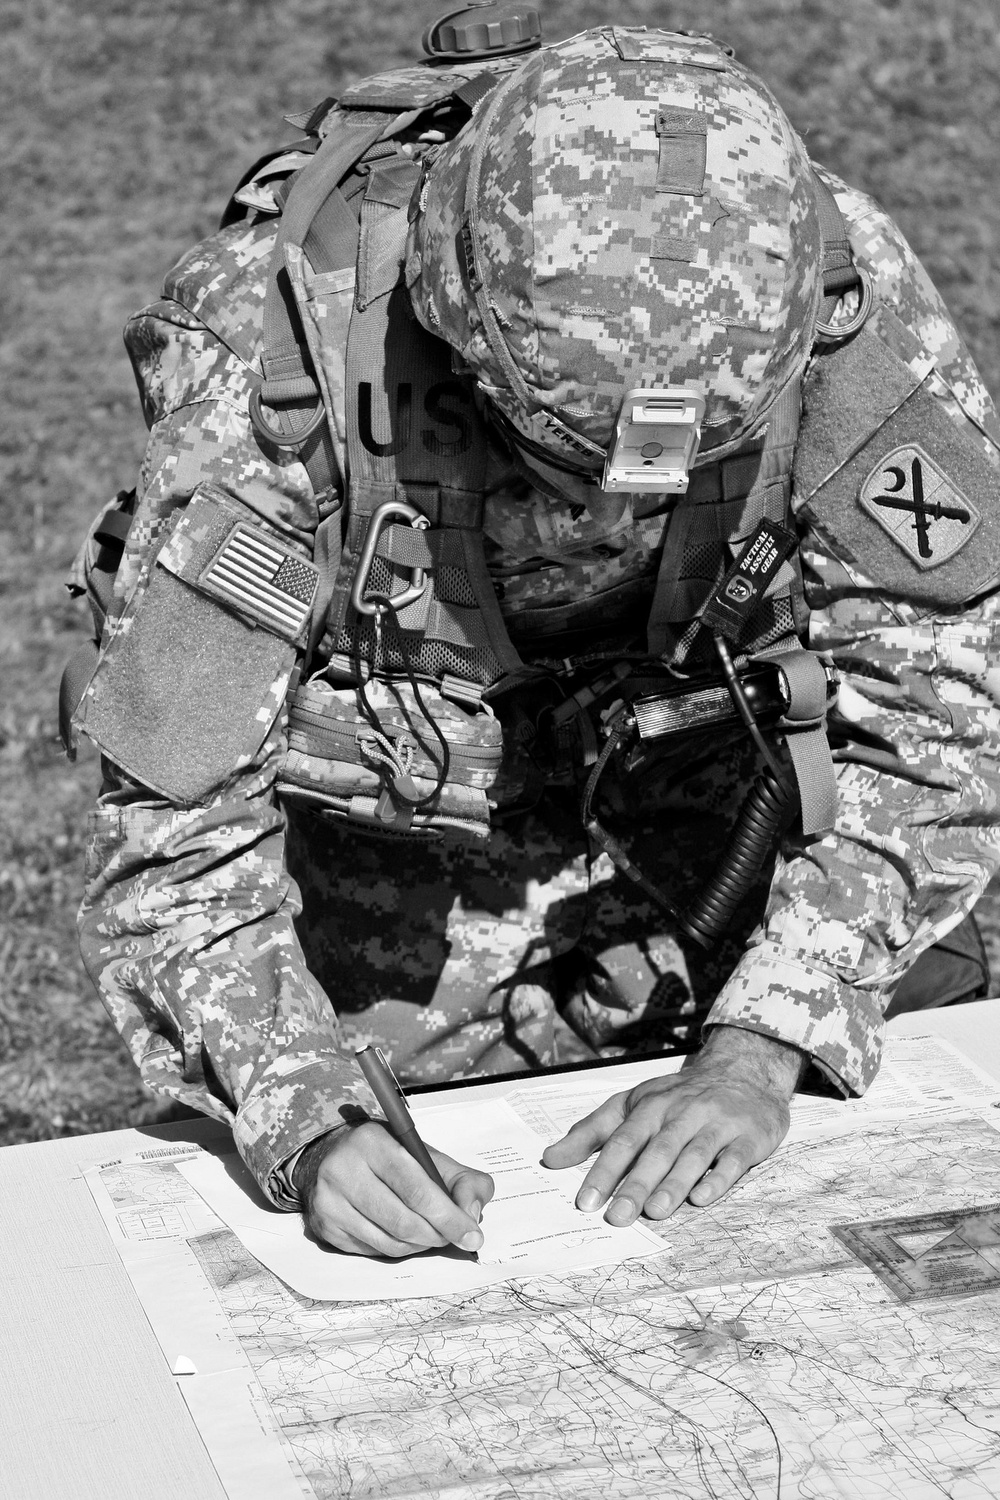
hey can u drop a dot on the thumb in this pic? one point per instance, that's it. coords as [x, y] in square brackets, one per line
[470, 1189]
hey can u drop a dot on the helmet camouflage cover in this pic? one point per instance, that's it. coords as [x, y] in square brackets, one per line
[628, 208]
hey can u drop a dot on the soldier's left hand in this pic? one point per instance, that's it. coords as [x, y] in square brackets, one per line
[691, 1134]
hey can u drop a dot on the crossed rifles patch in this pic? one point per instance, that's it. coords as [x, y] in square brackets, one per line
[920, 508]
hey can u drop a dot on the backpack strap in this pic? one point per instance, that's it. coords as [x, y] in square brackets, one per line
[724, 505]
[416, 457]
[840, 273]
[319, 227]
[318, 223]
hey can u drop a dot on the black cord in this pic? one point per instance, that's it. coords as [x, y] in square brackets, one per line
[371, 717]
[767, 810]
[742, 707]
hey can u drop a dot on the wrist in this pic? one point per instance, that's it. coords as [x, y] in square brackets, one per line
[761, 1059]
[306, 1167]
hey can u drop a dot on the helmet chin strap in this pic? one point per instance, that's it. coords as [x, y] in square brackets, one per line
[584, 473]
[548, 474]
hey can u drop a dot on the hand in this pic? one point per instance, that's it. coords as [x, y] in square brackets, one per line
[691, 1134]
[362, 1192]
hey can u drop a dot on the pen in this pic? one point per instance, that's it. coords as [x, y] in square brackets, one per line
[396, 1110]
[398, 1118]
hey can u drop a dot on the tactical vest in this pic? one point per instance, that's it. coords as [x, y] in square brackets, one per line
[393, 725]
[398, 730]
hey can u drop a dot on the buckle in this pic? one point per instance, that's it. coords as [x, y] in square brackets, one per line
[836, 333]
[275, 435]
[389, 510]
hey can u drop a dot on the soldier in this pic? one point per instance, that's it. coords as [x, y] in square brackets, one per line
[461, 621]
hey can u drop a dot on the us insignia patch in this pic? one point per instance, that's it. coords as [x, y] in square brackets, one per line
[923, 511]
[274, 586]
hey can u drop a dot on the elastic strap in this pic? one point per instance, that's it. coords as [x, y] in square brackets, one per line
[804, 729]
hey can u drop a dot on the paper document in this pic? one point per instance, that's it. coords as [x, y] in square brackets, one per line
[917, 1073]
[531, 1227]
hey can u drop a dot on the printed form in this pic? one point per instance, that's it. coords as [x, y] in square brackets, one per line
[531, 1227]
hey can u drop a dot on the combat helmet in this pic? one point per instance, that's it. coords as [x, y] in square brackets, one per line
[627, 209]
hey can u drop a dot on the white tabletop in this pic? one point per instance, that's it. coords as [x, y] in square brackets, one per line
[88, 1408]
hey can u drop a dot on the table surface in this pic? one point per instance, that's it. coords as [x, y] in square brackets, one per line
[88, 1408]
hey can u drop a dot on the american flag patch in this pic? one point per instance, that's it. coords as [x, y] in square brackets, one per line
[275, 587]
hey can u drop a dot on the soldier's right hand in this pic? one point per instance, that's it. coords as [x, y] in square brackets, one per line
[362, 1192]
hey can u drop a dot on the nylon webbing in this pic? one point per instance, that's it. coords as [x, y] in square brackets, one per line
[804, 726]
[396, 375]
[839, 270]
[724, 502]
[406, 546]
[73, 684]
[317, 218]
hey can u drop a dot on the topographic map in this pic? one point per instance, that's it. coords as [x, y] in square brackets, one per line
[757, 1356]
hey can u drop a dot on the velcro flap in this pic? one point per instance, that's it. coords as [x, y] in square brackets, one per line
[188, 686]
[890, 481]
[421, 86]
[636, 43]
[218, 547]
[683, 137]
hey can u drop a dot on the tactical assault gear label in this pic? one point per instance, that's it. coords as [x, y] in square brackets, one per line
[737, 597]
[920, 508]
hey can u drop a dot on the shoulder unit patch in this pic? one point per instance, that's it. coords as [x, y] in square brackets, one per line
[884, 477]
[917, 504]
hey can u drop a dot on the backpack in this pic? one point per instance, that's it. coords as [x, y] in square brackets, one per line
[400, 733]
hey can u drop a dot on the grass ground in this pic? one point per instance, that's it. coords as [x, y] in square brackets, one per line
[124, 124]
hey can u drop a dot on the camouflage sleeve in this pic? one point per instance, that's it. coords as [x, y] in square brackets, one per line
[916, 840]
[187, 923]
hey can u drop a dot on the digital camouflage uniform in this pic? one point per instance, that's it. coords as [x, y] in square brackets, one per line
[244, 953]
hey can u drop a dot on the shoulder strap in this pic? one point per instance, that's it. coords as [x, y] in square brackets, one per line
[840, 273]
[724, 504]
[318, 222]
[416, 457]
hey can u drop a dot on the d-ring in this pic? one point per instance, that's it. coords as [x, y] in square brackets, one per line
[835, 333]
[418, 578]
[273, 435]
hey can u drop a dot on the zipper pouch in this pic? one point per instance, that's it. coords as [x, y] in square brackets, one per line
[370, 767]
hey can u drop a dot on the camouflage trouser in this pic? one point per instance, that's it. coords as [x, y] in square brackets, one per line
[532, 950]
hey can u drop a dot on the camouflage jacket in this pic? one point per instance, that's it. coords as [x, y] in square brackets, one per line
[187, 924]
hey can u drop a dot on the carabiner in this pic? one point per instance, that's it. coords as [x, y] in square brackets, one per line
[389, 510]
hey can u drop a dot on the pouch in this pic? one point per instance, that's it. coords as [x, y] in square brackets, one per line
[197, 669]
[334, 758]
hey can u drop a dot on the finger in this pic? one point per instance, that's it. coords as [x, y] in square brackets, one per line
[419, 1197]
[355, 1234]
[587, 1135]
[662, 1178]
[360, 1188]
[623, 1149]
[733, 1163]
[336, 1222]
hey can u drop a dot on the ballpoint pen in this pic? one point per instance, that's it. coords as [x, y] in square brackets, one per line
[393, 1105]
